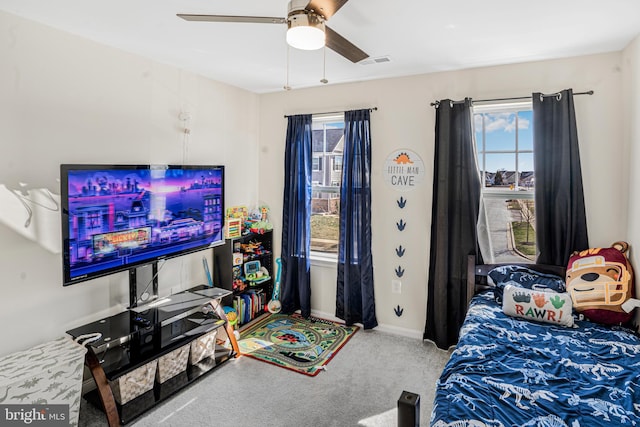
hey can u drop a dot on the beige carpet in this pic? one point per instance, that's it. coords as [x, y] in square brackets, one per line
[360, 387]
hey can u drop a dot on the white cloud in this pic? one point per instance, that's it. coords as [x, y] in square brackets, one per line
[501, 122]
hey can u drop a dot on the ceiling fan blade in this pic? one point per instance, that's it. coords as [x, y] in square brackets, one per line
[326, 8]
[343, 46]
[232, 18]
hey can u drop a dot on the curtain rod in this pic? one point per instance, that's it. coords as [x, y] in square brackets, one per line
[517, 98]
[330, 112]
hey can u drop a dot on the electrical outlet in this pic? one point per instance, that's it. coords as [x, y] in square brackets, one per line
[396, 286]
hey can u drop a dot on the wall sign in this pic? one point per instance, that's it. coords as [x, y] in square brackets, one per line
[403, 170]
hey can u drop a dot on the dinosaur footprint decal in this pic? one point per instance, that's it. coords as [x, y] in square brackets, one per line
[398, 310]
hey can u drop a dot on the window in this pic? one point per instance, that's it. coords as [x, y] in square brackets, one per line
[337, 163]
[316, 164]
[327, 144]
[504, 140]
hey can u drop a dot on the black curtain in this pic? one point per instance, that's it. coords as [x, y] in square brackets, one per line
[454, 214]
[561, 223]
[296, 217]
[355, 302]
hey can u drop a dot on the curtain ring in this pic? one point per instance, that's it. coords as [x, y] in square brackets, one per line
[541, 97]
[451, 103]
[559, 96]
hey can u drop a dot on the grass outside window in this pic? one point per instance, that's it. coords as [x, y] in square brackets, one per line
[325, 233]
[524, 237]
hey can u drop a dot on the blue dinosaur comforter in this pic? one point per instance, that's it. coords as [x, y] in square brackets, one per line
[511, 372]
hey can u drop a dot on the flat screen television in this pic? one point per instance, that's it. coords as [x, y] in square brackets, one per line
[116, 217]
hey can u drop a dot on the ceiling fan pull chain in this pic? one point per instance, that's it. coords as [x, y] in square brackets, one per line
[324, 66]
[286, 85]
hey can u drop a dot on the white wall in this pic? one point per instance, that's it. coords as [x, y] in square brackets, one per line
[631, 90]
[69, 100]
[66, 99]
[405, 120]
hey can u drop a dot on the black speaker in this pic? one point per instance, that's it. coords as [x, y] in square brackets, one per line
[409, 410]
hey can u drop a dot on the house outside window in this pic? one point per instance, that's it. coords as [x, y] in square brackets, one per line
[327, 144]
[504, 142]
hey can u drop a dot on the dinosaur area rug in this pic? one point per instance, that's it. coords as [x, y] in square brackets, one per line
[293, 342]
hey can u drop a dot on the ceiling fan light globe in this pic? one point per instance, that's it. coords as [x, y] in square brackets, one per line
[305, 31]
[305, 38]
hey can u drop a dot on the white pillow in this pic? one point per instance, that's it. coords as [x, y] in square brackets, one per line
[542, 306]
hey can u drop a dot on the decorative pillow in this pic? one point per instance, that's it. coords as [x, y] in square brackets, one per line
[524, 277]
[543, 306]
[600, 280]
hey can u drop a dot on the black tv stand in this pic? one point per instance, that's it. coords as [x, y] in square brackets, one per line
[135, 337]
[147, 274]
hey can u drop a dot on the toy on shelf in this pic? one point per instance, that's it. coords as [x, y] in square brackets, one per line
[235, 217]
[253, 249]
[233, 228]
[255, 273]
[237, 258]
[232, 315]
[258, 221]
[238, 283]
[237, 212]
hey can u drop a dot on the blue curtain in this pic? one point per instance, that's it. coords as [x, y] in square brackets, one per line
[355, 302]
[296, 217]
[561, 220]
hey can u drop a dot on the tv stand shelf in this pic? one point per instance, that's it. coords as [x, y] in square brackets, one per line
[138, 336]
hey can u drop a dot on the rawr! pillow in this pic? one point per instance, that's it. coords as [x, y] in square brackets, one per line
[524, 277]
[549, 307]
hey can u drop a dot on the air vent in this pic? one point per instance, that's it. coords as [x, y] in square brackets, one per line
[377, 60]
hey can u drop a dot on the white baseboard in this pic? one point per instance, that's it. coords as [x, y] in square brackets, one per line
[390, 329]
[403, 332]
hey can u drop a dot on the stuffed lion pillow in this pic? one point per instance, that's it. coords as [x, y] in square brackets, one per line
[600, 280]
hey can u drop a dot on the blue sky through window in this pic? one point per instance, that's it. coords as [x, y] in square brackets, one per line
[500, 136]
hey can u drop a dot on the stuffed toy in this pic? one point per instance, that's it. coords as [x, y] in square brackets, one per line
[600, 281]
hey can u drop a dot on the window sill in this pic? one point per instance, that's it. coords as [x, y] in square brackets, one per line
[323, 259]
[507, 194]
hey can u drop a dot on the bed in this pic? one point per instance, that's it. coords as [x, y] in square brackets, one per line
[507, 371]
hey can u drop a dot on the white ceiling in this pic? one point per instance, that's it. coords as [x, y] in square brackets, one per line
[419, 36]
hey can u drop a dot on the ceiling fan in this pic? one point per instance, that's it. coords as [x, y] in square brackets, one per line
[306, 22]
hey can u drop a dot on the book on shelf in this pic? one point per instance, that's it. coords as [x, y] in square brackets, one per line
[248, 305]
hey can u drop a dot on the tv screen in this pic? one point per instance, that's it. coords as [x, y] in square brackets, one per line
[115, 217]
